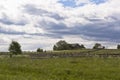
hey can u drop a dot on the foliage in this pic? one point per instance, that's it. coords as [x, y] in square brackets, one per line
[82, 46]
[39, 50]
[63, 45]
[118, 46]
[15, 48]
[98, 46]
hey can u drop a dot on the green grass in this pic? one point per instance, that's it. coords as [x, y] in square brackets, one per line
[92, 51]
[108, 51]
[72, 51]
[18, 68]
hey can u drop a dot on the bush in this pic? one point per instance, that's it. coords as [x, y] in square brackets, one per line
[63, 45]
[39, 50]
[15, 48]
[118, 46]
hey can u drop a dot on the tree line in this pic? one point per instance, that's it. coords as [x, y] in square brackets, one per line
[63, 45]
[15, 47]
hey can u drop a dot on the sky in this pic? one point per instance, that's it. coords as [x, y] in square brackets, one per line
[42, 23]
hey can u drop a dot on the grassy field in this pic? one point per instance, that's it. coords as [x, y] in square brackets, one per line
[92, 51]
[19, 68]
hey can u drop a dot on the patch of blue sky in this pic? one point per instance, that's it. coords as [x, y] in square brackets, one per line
[98, 1]
[70, 3]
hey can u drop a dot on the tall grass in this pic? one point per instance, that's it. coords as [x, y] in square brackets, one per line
[18, 68]
[92, 51]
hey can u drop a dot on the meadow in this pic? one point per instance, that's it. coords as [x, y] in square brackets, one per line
[92, 51]
[25, 68]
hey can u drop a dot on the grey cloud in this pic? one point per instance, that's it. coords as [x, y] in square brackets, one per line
[33, 10]
[56, 16]
[49, 25]
[53, 29]
[5, 20]
[11, 32]
[97, 31]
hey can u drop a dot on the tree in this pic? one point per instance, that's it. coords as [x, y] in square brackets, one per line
[98, 46]
[118, 46]
[15, 48]
[61, 45]
[82, 46]
[39, 50]
[54, 47]
[76, 46]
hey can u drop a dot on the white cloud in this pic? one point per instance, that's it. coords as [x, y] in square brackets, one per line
[50, 18]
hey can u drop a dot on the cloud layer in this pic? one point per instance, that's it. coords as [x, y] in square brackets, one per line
[40, 23]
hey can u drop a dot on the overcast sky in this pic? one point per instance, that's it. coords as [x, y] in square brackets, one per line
[41, 23]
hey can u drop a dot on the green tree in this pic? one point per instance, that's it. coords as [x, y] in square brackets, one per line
[76, 46]
[118, 46]
[15, 48]
[82, 46]
[39, 50]
[98, 46]
[61, 45]
[54, 47]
